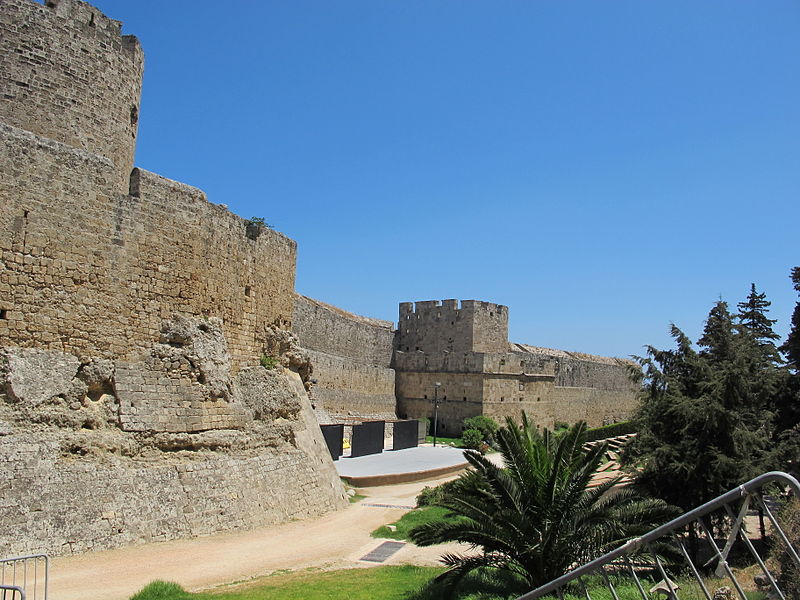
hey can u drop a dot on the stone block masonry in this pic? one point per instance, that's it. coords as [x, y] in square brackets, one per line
[352, 357]
[133, 317]
[464, 350]
[68, 490]
[94, 271]
[68, 74]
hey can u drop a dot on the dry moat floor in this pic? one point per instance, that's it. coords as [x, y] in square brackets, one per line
[334, 541]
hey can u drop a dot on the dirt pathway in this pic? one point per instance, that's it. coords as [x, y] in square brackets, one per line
[333, 541]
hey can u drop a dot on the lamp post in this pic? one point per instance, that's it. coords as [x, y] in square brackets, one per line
[436, 387]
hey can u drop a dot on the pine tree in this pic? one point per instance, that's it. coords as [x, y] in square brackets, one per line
[718, 334]
[791, 348]
[753, 322]
[753, 315]
[702, 428]
[787, 418]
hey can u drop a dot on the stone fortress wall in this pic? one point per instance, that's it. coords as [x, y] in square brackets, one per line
[133, 316]
[463, 348]
[352, 359]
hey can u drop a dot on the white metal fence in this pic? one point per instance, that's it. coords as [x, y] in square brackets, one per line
[24, 577]
[627, 563]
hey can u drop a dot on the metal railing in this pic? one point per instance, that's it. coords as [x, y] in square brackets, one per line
[24, 577]
[640, 554]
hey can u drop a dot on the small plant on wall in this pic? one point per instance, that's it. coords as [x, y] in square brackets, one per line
[256, 226]
[270, 362]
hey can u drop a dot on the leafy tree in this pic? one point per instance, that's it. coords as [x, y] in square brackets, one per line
[536, 517]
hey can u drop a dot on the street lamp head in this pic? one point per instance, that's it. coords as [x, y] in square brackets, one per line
[438, 384]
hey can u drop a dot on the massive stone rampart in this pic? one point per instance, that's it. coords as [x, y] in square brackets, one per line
[134, 315]
[352, 361]
[95, 271]
[73, 481]
[326, 328]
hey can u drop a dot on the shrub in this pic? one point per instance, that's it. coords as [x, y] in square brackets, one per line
[789, 573]
[161, 590]
[486, 425]
[472, 438]
[609, 431]
[432, 495]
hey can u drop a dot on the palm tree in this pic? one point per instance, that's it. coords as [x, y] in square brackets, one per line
[537, 517]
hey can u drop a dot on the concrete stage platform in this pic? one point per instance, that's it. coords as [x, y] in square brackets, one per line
[401, 466]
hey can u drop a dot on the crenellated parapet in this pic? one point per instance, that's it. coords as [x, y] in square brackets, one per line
[452, 326]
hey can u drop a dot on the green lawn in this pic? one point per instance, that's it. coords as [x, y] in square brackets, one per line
[384, 583]
[444, 441]
[404, 582]
[410, 520]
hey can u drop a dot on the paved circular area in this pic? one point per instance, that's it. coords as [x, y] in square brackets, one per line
[409, 460]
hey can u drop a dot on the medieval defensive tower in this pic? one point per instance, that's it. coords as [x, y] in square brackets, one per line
[67, 73]
[444, 326]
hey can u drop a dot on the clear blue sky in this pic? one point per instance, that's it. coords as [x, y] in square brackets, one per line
[602, 168]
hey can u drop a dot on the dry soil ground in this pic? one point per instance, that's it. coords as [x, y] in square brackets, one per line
[333, 541]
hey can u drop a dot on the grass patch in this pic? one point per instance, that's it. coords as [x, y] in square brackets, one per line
[386, 583]
[162, 590]
[444, 441]
[403, 582]
[410, 520]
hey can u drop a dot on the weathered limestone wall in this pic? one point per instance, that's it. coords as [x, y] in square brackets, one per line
[67, 73]
[96, 271]
[347, 389]
[595, 406]
[576, 369]
[325, 328]
[549, 385]
[133, 316]
[67, 489]
[352, 358]
[449, 326]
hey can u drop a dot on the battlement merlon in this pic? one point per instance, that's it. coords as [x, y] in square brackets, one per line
[85, 14]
